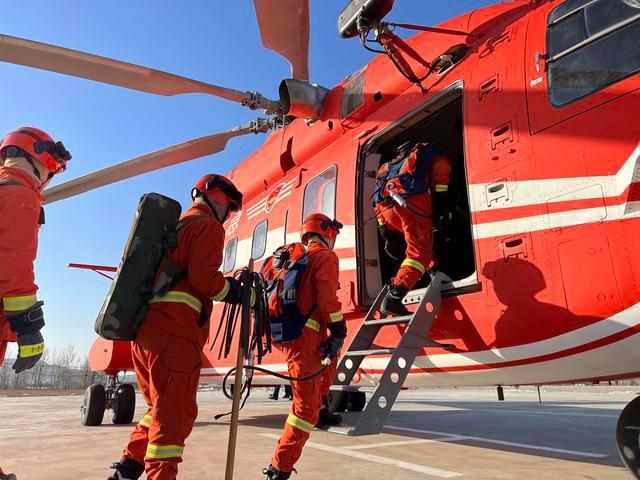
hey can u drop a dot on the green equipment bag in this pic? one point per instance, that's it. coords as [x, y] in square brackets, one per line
[152, 236]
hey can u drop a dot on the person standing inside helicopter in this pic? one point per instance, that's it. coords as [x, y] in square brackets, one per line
[406, 187]
[167, 351]
[29, 159]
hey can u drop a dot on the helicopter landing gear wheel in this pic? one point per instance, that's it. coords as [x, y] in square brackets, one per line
[93, 406]
[123, 404]
[628, 436]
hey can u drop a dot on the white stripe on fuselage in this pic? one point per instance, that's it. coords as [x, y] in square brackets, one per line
[543, 191]
[575, 338]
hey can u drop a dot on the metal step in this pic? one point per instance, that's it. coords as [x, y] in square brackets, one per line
[347, 388]
[364, 353]
[389, 321]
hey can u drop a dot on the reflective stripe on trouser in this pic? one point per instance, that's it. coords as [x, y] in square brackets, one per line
[17, 304]
[174, 296]
[167, 370]
[418, 233]
[302, 359]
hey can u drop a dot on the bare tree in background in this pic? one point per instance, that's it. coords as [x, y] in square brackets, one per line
[66, 360]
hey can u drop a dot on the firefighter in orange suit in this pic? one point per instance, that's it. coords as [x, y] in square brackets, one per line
[405, 189]
[168, 346]
[30, 158]
[316, 293]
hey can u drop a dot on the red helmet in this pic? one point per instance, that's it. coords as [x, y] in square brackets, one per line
[320, 224]
[219, 189]
[39, 145]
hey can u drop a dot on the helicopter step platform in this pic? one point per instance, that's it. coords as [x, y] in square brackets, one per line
[372, 418]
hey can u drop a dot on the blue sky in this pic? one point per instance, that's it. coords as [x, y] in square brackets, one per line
[212, 41]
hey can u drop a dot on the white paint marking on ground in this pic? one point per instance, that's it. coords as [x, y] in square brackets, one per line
[534, 412]
[450, 438]
[501, 442]
[436, 472]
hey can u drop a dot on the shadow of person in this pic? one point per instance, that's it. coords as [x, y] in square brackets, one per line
[518, 286]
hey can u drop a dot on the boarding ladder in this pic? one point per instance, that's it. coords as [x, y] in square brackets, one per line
[372, 419]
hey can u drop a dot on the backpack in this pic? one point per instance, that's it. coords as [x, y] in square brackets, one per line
[282, 273]
[144, 268]
[406, 175]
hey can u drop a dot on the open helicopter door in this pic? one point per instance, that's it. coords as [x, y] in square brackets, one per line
[439, 120]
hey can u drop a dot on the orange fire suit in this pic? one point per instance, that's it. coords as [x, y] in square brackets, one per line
[417, 229]
[318, 286]
[20, 205]
[167, 349]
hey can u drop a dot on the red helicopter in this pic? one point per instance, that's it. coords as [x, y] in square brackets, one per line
[532, 100]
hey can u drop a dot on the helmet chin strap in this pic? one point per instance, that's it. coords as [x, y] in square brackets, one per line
[214, 210]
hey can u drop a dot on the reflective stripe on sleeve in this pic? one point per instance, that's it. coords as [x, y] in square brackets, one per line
[313, 325]
[164, 451]
[336, 317]
[179, 297]
[146, 421]
[414, 264]
[222, 293]
[299, 423]
[441, 188]
[17, 304]
[31, 350]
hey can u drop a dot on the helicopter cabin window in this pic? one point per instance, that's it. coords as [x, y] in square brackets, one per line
[438, 123]
[230, 255]
[320, 194]
[259, 241]
[591, 44]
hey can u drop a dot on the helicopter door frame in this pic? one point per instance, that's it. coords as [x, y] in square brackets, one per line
[369, 272]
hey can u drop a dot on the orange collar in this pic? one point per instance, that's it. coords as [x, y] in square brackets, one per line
[21, 177]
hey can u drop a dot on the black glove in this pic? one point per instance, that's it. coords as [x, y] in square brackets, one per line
[394, 243]
[234, 295]
[26, 324]
[30, 350]
[331, 347]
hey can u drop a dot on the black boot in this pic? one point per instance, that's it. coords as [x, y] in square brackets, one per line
[127, 469]
[392, 302]
[273, 473]
[7, 476]
[327, 418]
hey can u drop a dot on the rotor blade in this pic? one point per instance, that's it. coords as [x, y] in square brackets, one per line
[114, 72]
[200, 147]
[284, 28]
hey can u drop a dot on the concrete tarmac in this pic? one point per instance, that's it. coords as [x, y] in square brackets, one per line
[431, 434]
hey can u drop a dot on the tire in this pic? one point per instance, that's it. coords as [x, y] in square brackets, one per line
[124, 404]
[93, 406]
[357, 401]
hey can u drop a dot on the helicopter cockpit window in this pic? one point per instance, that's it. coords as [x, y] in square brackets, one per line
[591, 45]
[259, 242]
[230, 255]
[320, 194]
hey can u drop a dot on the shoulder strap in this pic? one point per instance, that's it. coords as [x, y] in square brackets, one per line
[168, 275]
